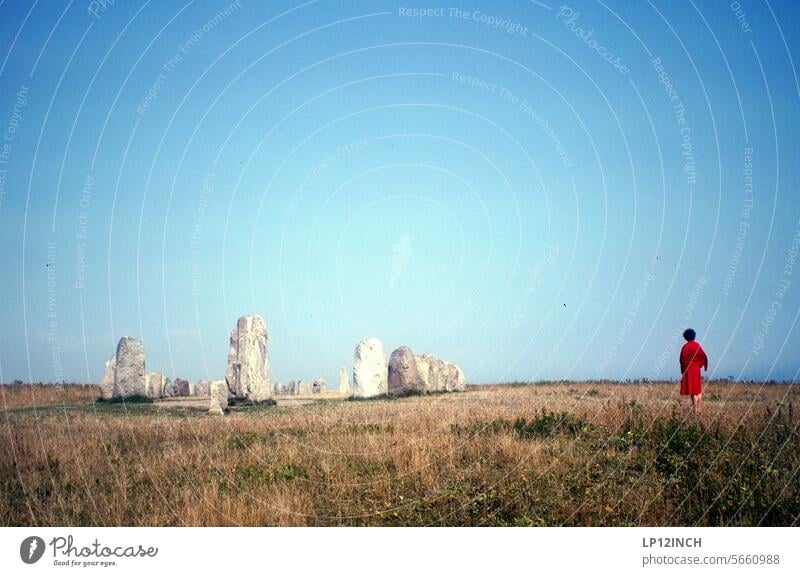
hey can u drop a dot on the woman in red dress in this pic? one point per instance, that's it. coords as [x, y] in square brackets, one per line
[692, 359]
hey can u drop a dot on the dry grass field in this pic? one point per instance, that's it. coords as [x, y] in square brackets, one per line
[550, 454]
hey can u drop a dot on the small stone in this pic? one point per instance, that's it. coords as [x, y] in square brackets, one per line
[182, 387]
[344, 381]
[168, 390]
[155, 385]
[107, 385]
[304, 387]
[218, 391]
[203, 388]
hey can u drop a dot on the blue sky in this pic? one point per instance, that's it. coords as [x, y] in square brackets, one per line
[530, 190]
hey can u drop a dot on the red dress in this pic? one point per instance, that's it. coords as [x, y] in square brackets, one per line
[692, 359]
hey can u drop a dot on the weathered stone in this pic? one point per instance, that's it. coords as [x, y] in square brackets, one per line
[304, 387]
[450, 377]
[440, 376]
[461, 381]
[130, 377]
[279, 389]
[248, 360]
[107, 385]
[424, 371]
[291, 389]
[319, 386]
[202, 388]
[344, 381]
[155, 385]
[455, 380]
[168, 390]
[218, 391]
[182, 387]
[429, 369]
[403, 375]
[369, 369]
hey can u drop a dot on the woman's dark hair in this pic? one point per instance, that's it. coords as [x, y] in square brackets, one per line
[689, 334]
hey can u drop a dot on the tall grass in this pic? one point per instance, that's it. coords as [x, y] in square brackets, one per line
[551, 454]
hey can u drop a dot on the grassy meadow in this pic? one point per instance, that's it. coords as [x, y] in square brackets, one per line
[551, 454]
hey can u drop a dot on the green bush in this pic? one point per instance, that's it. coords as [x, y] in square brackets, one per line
[134, 399]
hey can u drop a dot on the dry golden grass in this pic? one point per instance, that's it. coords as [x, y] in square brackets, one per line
[45, 394]
[550, 454]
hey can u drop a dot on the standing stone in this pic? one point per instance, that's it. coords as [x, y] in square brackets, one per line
[459, 380]
[369, 369]
[304, 387]
[203, 388]
[450, 376]
[440, 376]
[403, 374]
[168, 390]
[455, 381]
[424, 371]
[155, 385]
[182, 387]
[248, 360]
[130, 377]
[219, 397]
[438, 383]
[344, 381]
[107, 385]
[319, 386]
[292, 388]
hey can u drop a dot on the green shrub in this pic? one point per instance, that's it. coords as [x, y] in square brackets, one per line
[133, 399]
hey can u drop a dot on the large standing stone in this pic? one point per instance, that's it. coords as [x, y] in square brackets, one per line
[248, 360]
[292, 388]
[369, 369]
[279, 389]
[319, 386]
[130, 377]
[344, 381]
[155, 384]
[403, 374]
[107, 385]
[182, 387]
[219, 397]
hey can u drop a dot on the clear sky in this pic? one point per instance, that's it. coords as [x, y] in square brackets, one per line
[528, 189]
